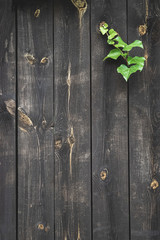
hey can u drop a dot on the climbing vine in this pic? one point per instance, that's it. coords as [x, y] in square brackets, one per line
[122, 49]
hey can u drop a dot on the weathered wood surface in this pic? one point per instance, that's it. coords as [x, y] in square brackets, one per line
[35, 122]
[77, 121]
[72, 122]
[109, 129]
[144, 118]
[7, 123]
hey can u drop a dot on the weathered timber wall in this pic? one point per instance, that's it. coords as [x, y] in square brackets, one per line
[79, 147]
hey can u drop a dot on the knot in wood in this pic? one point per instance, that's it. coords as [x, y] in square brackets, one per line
[11, 106]
[103, 175]
[101, 24]
[80, 4]
[40, 226]
[58, 144]
[44, 123]
[44, 60]
[142, 29]
[37, 13]
[30, 59]
[146, 56]
[47, 229]
[154, 184]
[71, 140]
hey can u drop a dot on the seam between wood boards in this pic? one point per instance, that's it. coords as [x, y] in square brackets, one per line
[16, 117]
[53, 10]
[91, 122]
[129, 180]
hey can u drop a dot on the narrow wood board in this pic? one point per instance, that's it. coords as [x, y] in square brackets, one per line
[72, 122]
[109, 128]
[7, 122]
[144, 128]
[35, 122]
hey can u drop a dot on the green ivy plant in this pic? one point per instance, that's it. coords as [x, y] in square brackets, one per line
[133, 64]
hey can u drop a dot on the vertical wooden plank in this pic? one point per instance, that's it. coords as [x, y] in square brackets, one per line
[35, 110]
[109, 128]
[144, 130]
[7, 122]
[72, 122]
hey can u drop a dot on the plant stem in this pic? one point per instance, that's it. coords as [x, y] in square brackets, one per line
[125, 58]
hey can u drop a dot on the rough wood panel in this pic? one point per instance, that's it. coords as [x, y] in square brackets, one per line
[7, 123]
[35, 110]
[144, 131]
[72, 122]
[109, 128]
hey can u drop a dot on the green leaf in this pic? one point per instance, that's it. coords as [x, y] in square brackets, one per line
[124, 55]
[126, 72]
[120, 43]
[112, 34]
[139, 61]
[114, 54]
[110, 42]
[104, 28]
[105, 25]
[136, 43]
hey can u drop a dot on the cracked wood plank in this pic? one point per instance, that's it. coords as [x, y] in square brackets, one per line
[69, 87]
[144, 105]
[109, 129]
[25, 123]
[35, 134]
[72, 123]
[81, 5]
[71, 142]
[7, 123]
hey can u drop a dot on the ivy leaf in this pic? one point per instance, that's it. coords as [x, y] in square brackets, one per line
[104, 28]
[139, 61]
[120, 43]
[112, 34]
[105, 25]
[126, 72]
[124, 55]
[136, 43]
[121, 48]
[114, 54]
[110, 42]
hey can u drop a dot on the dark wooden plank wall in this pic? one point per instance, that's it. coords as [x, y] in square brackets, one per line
[72, 122]
[35, 122]
[7, 122]
[87, 161]
[144, 119]
[109, 129]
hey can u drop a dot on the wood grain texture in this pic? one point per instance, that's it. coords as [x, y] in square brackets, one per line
[35, 121]
[109, 128]
[144, 130]
[7, 123]
[72, 122]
